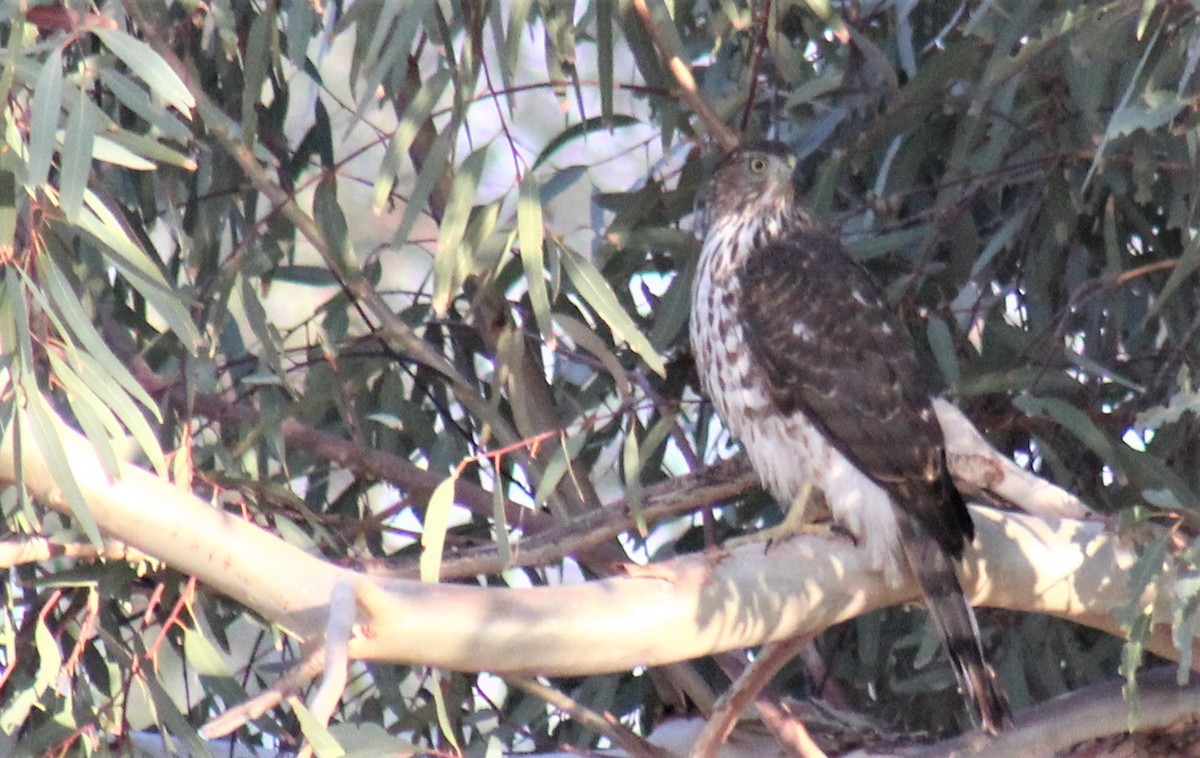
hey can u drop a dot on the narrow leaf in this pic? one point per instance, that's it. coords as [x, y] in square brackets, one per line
[107, 151]
[115, 145]
[585, 338]
[452, 262]
[518, 26]
[43, 122]
[655, 438]
[114, 397]
[152, 69]
[97, 421]
[443, 714]
[133, 97]
[604, 44]
[415, 114]
[45, 435]
[942, 344]
[8, 210]
[503, 548]
[323, 743]
[595, 290]
[554, 471]
[433, 531]
[435, 163]
[631, 464]
[77, 154]
[531, 235]
[413, 14]
[256, 63]
[581, 129]
[135, 265]
[327, 212]
[299, 30]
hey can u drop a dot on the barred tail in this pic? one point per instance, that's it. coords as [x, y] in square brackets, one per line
[955, 622]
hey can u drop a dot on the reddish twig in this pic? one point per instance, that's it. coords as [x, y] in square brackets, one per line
[688, 91]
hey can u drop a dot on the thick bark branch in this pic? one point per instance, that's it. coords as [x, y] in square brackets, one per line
[681, 609]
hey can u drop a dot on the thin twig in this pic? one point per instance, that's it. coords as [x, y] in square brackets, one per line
[605, 725]
[743, 692]
[15, 551]
[688, 90]
[289, 684]
[670, 498]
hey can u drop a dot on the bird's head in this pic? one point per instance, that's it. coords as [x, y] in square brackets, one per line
[753, 182]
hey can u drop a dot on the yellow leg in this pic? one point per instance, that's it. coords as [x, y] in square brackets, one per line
[795, 522]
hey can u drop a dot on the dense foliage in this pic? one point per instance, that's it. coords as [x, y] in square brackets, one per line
[312, 260]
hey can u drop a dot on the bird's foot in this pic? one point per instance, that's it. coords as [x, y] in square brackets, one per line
[782, 532]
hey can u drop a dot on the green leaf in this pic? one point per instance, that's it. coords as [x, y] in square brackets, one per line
[135, 99]
[107, 151]
[1183, 626]
[1148, 7]
[210, 664]
[324, 744]
[77, 154]
[581, 129]
[436, 161]
[127, 148]
[1146, 570]
[49, 656]
[453, 260]
[113, 396]
[256, 61]
[433, 530]
[443, 714]
[43, 119]
[592, 287]
[518, 22]
[98, 422]
[998, 241]
[1132, 655]
[942, 344]
[68, 307]
[604, 45]
[299, 30]
[587, 339]
[398, 38]
[41, 423]
[530, 233]
[415, 115]
[1071, 418]
[500, 520]
[327, 212]
[166, 713]
[136, 266]
[152, 69]
[8, 209]
[568, 449]
[631, 463]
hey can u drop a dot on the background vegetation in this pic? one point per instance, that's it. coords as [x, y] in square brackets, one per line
[311, 261]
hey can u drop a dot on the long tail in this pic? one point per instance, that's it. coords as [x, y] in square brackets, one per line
[955, 622]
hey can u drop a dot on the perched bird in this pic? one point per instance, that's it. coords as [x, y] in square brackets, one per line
[812, 370]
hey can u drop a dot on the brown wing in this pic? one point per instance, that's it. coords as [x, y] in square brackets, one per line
[832, 348]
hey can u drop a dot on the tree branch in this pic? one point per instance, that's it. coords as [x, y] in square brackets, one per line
[688, 607]
[688, 90]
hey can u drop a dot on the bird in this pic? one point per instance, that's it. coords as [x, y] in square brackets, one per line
[805, 361]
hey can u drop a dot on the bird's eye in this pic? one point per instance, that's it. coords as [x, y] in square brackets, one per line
[758, 165]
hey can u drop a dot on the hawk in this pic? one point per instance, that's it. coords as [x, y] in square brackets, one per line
[808, 365]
